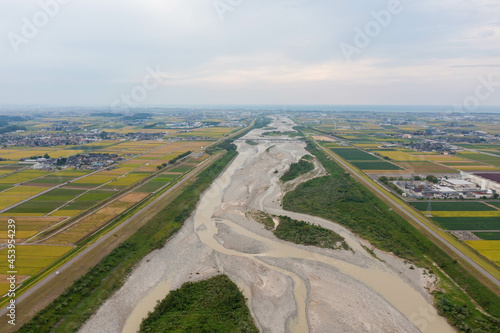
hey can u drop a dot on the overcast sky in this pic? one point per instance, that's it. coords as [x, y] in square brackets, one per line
[90, 52]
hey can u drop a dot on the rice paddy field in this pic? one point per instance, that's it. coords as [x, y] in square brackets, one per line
[210, 132]
[398, 156]
[490, 249]
[30, 259]
[484, 158]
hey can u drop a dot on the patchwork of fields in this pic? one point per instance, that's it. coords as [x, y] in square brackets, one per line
[77, 203]
[482, 219]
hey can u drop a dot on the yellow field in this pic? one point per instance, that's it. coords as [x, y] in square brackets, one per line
[64, 153]
[22, 176]
[95, 179]
[32, 258]
[3, 171]
[17, 194]
[489, 249]
[442, 158]
[71, 172]
[18, 154]
[128, 180]
[467, 214]
[212, 132]
[372, 126]
[27, 226]
[399, 156]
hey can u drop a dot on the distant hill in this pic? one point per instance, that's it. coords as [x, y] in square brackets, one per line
[106, 114]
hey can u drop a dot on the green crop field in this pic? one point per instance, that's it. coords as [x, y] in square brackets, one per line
[96, 195]
[352, 154]
[468, 223]
[488, 235]
[496, 204]
[51, 180]
[181, 169]
[34, 207]
[376, 165]
[59, 195]
[452, 206]
[493, 160]
[79, 205]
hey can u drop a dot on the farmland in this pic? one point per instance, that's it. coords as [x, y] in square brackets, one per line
[351, 154]
[77, 203]
[30, 259]
[490, 249]
[453, 206]
[468, 223]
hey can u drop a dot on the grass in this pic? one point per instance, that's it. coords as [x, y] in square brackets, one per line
[213, 305]
[338, 197]
[452, 206]
[251, 143]
[71, 309]
[300, 232]
[468, 223]
[262, 218]
[376, 165]
[297, 169]
[353, 154]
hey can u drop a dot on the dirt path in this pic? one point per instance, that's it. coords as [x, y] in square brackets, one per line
[290, 288]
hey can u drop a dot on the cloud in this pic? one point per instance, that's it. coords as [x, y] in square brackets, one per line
[92, 51]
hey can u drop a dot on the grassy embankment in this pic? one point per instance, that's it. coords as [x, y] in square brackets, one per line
[213, 305]
[70, 310]
[338, 197]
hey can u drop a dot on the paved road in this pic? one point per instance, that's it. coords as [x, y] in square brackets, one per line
[408, 214]
[61, 269]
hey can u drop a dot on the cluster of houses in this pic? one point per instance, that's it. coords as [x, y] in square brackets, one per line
[90, 161]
